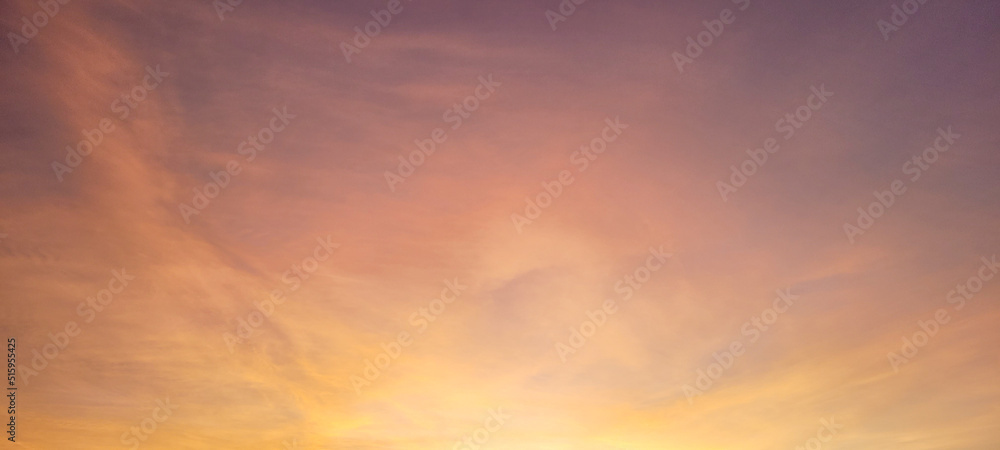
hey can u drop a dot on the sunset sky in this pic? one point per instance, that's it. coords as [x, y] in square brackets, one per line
[218, 229]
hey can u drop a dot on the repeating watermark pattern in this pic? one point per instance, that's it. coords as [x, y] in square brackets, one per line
[363, 35]
[124, 105]
[580, 159]
[30, 28]
[704, 39]
[420, 319]
[900, 15]
[566, 8]
[86, 309]
[456, 115]
[223, 7]
[257, 142]
[626, 287]
[481, 436]
[828, 429]
[786, 126]
[753, 329]
[885, 199]
[958, 297]
[293, 278]
[584, 325]
[137, 434]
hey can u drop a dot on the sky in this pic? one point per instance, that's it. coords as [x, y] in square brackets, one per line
[726, 224]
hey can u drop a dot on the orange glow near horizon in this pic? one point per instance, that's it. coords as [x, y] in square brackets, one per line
[502, 225]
